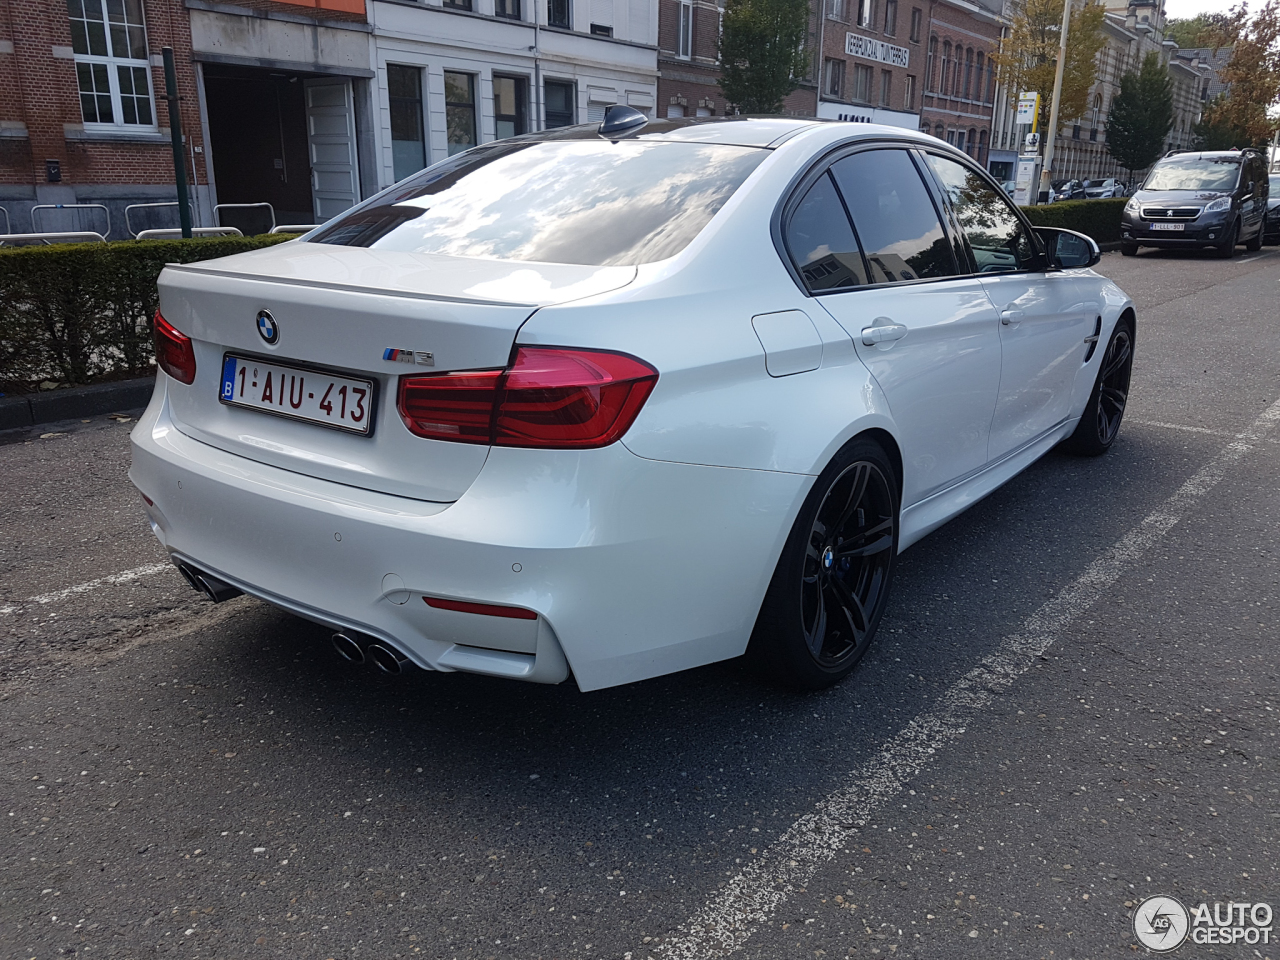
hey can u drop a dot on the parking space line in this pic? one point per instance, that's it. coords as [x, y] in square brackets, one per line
[135, 574]
[725, 923]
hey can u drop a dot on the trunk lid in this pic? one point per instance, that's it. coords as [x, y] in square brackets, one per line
[339, 310]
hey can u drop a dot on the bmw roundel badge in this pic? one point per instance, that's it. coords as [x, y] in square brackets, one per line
[267, 327]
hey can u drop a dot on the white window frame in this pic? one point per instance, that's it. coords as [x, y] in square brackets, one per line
[684, 37]
[866, 12]
[113, 64]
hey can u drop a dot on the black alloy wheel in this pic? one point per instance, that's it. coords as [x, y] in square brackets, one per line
[832, 581]
[1100, 421]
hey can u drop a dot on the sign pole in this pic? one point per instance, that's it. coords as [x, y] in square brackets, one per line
[175, 134]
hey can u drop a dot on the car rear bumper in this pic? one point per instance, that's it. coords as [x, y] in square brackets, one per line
[633, 567]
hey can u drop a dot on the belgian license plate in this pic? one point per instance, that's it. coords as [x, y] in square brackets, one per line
[1168, 226]
[341, 402]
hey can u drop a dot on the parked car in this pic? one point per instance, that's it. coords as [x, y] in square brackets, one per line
[1066, 190]
[1103, 189]
[1271, 229]
[1212, 199]
[623, 399]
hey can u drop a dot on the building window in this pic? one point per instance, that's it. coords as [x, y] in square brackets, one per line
[930, 78]
[507, 8]
[982, 148]
[685, 39]
[460, 110]
[836, 10]
[833, 85]
[600, 30]
[866, 13]
[978, 72]
[991, 81]
[558, 14]
[458, 4]
[886, 87]
[917, 20]
[675, 111]
[945, 84]
[408, 145]
[110, 47]
[909, 93]
[558, 96]
[510, 106]
[891, 18]
[861, 83]
[971, 145]
[968, 73]
[938, 131]
[951, 137]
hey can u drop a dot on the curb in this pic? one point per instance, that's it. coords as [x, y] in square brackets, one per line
[75, 402]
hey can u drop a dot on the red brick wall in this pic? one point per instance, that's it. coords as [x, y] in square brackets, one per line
[41, 91]
[834, 33]
[945, 106]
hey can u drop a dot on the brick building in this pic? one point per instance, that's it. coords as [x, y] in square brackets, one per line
[872, 61]
[959, 76]
[82, 119]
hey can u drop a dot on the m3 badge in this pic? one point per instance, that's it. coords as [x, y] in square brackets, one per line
[422, 358]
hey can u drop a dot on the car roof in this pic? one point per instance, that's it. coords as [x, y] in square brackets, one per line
[1207, 155]
[734, 131]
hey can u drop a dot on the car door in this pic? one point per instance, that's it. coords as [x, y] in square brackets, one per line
[1045, 314]
[928, 334]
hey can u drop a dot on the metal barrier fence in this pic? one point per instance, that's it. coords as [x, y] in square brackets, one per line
[175, 233]
[247, 217]
[71, 236]
[152, 206]
[35, 220]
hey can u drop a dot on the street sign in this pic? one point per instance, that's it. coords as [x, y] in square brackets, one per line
[1028, 107]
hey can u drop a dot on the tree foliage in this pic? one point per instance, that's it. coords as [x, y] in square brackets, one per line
[1141, 115]
[1029, 58]
[762, 52]
[1252, 75]
[1205, 30]
[1214, 134]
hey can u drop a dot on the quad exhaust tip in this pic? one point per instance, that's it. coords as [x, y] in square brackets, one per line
[383, 656]
[213, 588]
[387, 659]
[347, 648]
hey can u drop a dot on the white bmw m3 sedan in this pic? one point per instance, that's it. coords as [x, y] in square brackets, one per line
[623, 399]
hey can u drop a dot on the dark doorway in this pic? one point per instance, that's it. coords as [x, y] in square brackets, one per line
[258, 136]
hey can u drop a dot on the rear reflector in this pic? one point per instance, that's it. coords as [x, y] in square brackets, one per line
[174, 352]
[485, 609]
[549, 397]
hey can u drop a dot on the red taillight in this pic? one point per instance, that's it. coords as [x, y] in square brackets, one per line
[549, 397]
[485, 609]
[174, 352]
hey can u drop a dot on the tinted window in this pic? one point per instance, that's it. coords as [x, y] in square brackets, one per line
[995, 234]
[822, 242]
[894, 217]
[569, 201]
[1194, 173]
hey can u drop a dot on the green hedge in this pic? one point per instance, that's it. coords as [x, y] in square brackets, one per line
[75, 313]
[1099, 219]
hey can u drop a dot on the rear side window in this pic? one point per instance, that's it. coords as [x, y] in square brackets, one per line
[894, 216]
[999, 242]
[592, 202]
[821, 241]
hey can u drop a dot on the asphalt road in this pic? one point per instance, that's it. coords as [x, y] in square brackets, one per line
[1072, 706]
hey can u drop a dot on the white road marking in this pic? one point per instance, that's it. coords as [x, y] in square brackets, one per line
[1181, 426]
[725, 923]
[1251, 259]
[135, 574]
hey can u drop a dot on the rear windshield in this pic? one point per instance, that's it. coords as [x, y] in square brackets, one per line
[1194, 174]
[592, 202]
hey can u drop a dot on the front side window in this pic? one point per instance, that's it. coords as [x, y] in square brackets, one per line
[109, 42]
[586, 201]
[894, 217]
[559, 97]
[510, 106]
[1194, 173]
[408, 145]
[558, 13]
[997, 237]
[460, 110]
[822, 243]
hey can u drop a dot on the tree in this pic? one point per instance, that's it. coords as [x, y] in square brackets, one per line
[1252, 75]
[1141, 115]
[1214, 134]
[762, 55]
[1029, 57]
[1205, 30]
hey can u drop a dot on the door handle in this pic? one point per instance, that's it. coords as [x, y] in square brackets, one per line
[883, 334]
[1011, 316]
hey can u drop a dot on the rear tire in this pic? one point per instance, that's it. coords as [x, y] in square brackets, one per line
[831, 584]
[1100, 421]
[1128, 249]
[1227, 248]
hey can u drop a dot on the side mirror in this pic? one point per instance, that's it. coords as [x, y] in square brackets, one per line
[1067, 249]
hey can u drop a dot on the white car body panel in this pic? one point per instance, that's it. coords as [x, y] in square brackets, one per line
[644, 557]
